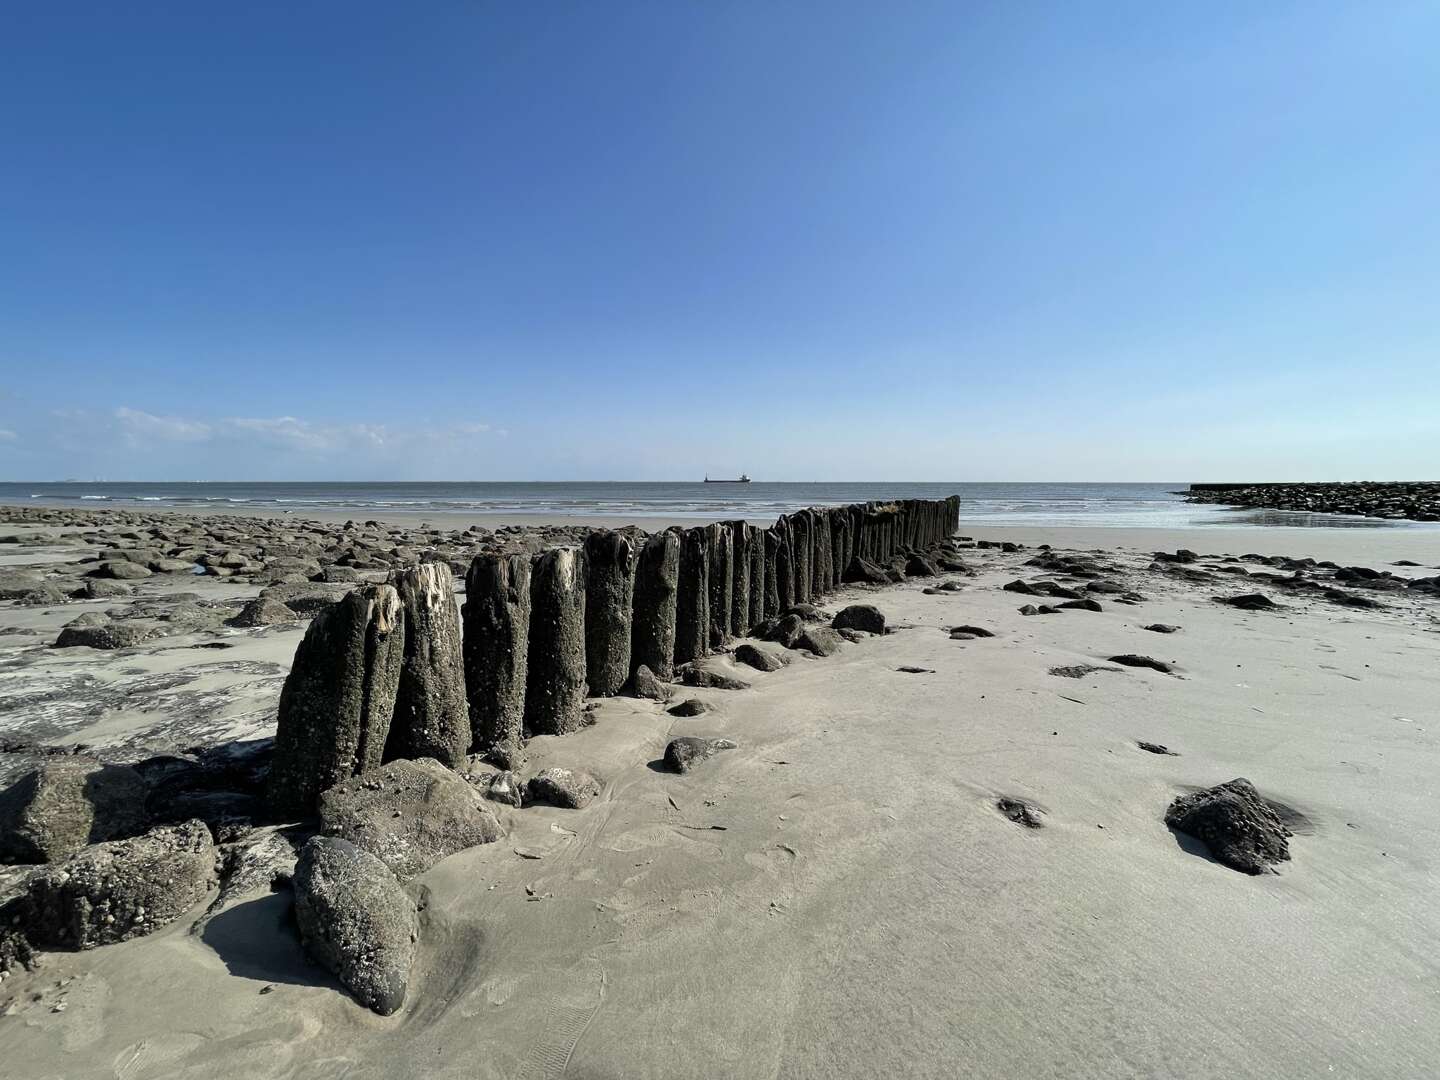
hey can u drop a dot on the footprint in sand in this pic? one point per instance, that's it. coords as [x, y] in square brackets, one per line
[575, 997]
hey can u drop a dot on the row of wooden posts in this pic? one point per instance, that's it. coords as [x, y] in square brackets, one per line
[387, 673]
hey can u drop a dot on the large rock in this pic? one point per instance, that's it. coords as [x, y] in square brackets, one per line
[121, 569]
[338, 699]
[652, 634]
[432, 718]
[263, 611]
[1240, 828]
[121, 889]
[862, 571]
[408, 814]
[820, 640]
[609, 598]
[307, 597]
[646, 684]
[107, 635]
[692, 597]
[568, 788]
[496, 649]
[758, 658]
[66, 803]
[16, 583]
[684, 753]
[555, 675]
[356, 920]
[860, 617]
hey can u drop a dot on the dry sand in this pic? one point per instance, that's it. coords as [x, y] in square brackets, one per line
[839, 896]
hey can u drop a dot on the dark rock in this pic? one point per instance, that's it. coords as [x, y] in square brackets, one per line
[652, 632]
[689, 707]
[107, 635]
[965, 632]
[263, 612]
[432, 718]
[338, 699]
[16, 583]
[504, 787]
[699, 677]
[610, 566]
[121, 569]
[568, 788]
[865, 617]
[645, 684]
[1248, 602]
[101, 589]
[121, 889]
[1082, 605]
[1161, 628]
[920, 566]
[306, 598]
[555, 675]
[758, 658]
[788, 631]
[864, 571]
[408, 814]
[66, 803]
[357, 921]
[808, 613]
[1155, 748]
[1134, 660]
[1076, 671]
[1240, 828]
[496, 647]
[1021, 812]
[684, 754]
[820, 640]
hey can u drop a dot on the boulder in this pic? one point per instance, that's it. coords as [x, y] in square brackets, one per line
[645, 684]
[758, 658]
[121, 889]
[338, 699]
[1161, 628]
[689, 707]
[555, 665]
[609, 597]
[264, 612]
[1133, 660]
[1249, 602]
[865, 617]
[685, 753]
[432, 718]
[356, 920]
[107, 635]
[306, 598]
[920, 566]
[120, 569]
[408, 814]
[1240, 828]
[496, 648]
[66, 803]
[569, 788]
[700, 677]
[820, 640]
[15, 583]
[101, 589]
[788, 631]
[863, 571]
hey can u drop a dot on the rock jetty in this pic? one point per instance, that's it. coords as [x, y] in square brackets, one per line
[1418, 501]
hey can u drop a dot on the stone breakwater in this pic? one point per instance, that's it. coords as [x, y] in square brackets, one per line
[1418, 501]
[403, 717]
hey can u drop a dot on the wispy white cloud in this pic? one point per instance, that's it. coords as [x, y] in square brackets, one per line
[138, 428]
[6, 435]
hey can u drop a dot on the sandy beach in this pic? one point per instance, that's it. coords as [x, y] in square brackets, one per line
[839, 895]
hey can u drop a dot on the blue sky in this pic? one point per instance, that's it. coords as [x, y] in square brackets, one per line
[959, 241]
